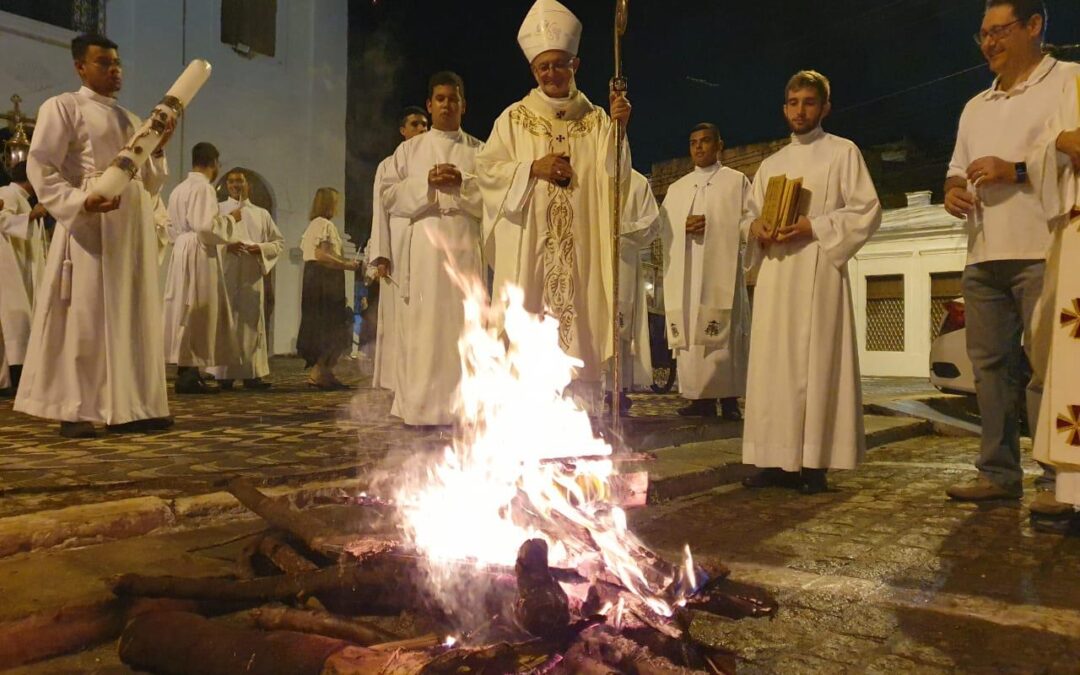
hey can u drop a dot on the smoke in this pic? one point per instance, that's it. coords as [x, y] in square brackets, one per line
[375, 66]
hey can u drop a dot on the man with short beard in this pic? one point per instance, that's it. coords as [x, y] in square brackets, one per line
[246, 265]
[705, 300]
[383, 250]
[432, 183]
[804, 411]
[1007, 239]
[95, 353]
[545, 173]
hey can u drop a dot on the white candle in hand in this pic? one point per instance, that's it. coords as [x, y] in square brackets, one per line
[132, 156]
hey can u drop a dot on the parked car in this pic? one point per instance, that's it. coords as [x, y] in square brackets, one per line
[950, 368]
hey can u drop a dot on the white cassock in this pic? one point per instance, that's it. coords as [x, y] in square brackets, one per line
[444, 227]
[387, 236]
[22, 268]
[803, 394]
[706, 304]
[554, 242]
[95, 353]
[639, 226]
[199, 327]
[1055, 350]
[244, 282]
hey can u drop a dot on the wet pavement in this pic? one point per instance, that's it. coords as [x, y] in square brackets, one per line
[883, 574]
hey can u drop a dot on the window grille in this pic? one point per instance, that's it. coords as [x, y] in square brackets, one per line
[885, 313]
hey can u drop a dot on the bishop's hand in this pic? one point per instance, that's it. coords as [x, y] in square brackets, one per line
[36, 213]
[1068, 142]
[620, 108]
[554, 168]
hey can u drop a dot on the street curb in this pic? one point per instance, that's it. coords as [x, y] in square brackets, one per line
[937, 422]
[86, 524]
[673, 487]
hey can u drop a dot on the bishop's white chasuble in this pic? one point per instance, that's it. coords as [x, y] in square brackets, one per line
[555, 242]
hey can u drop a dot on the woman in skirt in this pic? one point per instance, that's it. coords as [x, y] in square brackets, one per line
[325, 318]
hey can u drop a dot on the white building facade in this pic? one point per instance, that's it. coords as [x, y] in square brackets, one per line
[901, 279]
[281, 116]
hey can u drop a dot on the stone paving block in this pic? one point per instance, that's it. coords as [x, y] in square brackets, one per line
[79, 525]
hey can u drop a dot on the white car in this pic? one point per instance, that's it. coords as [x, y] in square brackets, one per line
[950, 368]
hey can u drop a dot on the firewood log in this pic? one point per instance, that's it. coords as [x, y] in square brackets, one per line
[315, 534]
[284, 557]
[277, 617]
[382, 585]
[182, 643]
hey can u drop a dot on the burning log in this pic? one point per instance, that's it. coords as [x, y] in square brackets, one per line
[734, 600]
[178, 643]
[542, 607]
[319, 623]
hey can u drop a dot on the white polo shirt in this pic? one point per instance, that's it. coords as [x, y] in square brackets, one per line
[1009, 222]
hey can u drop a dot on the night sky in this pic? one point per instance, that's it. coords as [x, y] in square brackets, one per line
[901, 69]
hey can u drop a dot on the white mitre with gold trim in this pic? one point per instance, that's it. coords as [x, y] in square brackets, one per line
[549, 25]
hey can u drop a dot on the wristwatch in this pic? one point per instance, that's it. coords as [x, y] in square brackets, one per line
[1021, 173]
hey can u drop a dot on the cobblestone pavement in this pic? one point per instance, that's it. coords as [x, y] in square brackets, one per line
[286, 432]
[882, 574]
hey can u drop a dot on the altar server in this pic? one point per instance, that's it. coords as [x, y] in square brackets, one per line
[383, 249]
[22, 263]
[640, 224]
[199, 327]
[432, 182]
[95, 353]
[803, 396]
[706, 305]
[545, 173]
[246, 265]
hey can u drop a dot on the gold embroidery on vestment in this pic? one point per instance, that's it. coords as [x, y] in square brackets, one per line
[559, 257]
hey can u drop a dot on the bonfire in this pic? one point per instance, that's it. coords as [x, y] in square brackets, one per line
[512, 544]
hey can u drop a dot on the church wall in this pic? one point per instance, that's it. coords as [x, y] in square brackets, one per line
[282, 116]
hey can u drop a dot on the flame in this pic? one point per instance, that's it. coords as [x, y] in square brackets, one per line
[504, 479]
